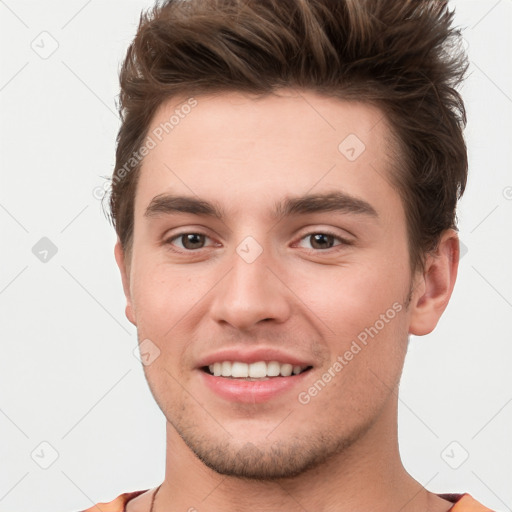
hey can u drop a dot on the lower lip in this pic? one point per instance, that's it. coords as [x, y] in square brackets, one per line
[251, 391]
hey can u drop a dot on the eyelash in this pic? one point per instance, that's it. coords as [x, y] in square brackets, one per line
[343, 241]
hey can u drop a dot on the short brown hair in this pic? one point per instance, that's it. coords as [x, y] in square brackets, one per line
[403, 56]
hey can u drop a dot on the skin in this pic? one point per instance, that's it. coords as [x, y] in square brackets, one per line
[309, 299]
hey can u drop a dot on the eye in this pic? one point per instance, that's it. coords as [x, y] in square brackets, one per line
[319, 241]
[324, 240]
[189, 241]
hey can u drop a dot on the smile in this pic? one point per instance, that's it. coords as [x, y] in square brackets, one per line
[258, 370]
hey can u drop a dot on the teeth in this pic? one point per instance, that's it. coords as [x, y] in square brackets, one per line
[226, 369]
[258, 370]
[286, 370]
[239, 370]
[273, 369]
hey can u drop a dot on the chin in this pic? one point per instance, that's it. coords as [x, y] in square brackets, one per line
[267, 461]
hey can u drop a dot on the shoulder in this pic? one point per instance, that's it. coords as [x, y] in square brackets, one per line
[465, 503]
[116, 505]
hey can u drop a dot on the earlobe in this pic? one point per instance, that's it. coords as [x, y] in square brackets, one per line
[434, 288]
[125, 278]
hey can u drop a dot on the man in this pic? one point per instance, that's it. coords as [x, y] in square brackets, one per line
[286, 181]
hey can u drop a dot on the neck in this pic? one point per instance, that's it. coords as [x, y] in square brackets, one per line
[367, 475]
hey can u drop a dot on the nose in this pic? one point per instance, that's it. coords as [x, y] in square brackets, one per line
[250, 294]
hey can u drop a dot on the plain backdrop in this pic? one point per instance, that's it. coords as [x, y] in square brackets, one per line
[78, 424]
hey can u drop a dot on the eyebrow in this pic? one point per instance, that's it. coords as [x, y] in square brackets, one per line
[340, 202]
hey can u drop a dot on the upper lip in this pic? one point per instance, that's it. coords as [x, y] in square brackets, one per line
[245, 355]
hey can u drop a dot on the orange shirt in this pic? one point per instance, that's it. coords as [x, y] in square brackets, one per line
[462, 503]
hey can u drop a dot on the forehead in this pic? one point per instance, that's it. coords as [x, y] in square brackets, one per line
[243, 152]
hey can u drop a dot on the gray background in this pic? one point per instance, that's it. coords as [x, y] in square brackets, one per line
[68, 375]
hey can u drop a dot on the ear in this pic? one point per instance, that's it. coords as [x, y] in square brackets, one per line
[123, 268]
[434, 287]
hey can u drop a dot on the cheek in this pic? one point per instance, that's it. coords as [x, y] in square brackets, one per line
[366, 357]
[361, 312]
[169, 304]
[163, 294]
[352, 296]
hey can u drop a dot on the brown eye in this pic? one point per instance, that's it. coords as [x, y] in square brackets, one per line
[192, 240]
[321, 240]
[188, 241]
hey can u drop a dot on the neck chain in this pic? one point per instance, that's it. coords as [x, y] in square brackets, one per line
[153, 499]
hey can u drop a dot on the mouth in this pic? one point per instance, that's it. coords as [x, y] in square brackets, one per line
[254, 375]
[257, 371]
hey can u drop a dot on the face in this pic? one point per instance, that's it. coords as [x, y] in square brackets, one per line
[268, 241]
